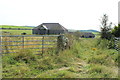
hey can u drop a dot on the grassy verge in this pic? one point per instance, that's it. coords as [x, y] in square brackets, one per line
[87, 58]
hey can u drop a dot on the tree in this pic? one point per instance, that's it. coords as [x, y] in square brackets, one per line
[105, 27]
[116, 31]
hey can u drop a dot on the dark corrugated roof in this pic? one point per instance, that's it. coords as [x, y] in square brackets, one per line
[52, 26]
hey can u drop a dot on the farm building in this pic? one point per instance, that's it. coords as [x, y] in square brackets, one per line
[49, 28]
[87, 35]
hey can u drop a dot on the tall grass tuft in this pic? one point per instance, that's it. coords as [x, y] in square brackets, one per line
[25, 55]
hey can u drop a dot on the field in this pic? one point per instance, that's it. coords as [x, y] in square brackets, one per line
[9, 26]
[17, 32]
[87, 58]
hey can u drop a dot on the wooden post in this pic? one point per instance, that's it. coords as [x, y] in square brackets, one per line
[6, 47]
[42, 45]
[23, 42]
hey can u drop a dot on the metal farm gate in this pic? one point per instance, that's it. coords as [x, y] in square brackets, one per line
[37, 43]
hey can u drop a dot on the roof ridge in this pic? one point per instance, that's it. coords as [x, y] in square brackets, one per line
[50, 23]
[52, 26]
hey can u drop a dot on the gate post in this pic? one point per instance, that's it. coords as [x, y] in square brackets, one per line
[60, 45]
[42, 45]
[23, 42]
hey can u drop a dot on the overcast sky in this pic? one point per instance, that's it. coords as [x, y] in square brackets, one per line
[72, 14]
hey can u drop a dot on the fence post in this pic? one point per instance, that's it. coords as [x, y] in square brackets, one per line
[6, 47]
[23, 42]
[42, 45]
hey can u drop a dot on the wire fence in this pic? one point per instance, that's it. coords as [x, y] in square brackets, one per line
[38, 43]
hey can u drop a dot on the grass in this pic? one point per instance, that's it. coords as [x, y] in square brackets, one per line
[10, 26]
[87, 58]
[17, 32]
[97, 34]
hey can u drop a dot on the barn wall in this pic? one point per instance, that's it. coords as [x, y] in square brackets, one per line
[42, 31]
[55, 31]
[35, 31]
